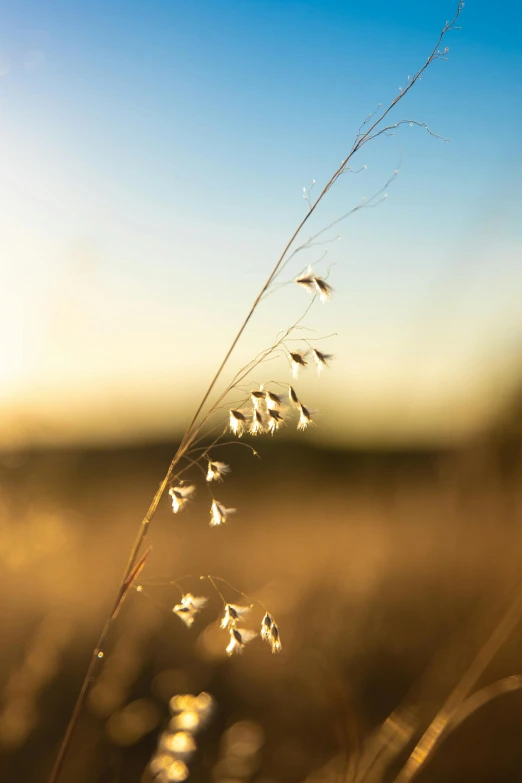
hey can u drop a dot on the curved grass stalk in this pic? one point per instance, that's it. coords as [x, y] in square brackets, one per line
[375, 127]
[448, 715]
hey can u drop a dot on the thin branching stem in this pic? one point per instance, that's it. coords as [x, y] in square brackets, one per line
[375, 129]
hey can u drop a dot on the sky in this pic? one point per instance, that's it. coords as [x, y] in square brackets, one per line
[153, 158]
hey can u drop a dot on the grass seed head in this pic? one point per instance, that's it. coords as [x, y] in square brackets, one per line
[216, 470]
[257, 425]
[321, 359]
[257, 396]
[325, 290]
[233, 613]
[237, 422]
[180, 495]
[305, 417]
[297, 360]
[266, 624]
[275, 420]
[219, 513]
[307, 281]
[294, 399]
[275, 639]
[273, 400]
[238, 639]
[189, 607]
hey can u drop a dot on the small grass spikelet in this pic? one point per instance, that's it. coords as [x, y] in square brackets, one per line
[266, 624]
[257, 397]
[321, 359]
[180, 495]
[292, 396]
[233, 613]
[315, 284]
[257, 425]
[189, 607]
[297, 360]
[275, 639]
[273, 400]
[216, 470]
[307, 281]
[275, 420]
[325, 290]
[270, 633]
[238, 639]
[237, 422]
[305, 417]
[219, 513]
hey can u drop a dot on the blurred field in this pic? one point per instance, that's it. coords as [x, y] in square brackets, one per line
[385, 573]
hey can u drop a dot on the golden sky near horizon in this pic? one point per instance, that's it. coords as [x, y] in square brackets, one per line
[88, 358]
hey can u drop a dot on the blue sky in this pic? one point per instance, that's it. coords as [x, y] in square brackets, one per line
[153, 158]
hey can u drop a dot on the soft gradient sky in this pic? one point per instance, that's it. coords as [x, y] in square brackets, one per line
[153, 157]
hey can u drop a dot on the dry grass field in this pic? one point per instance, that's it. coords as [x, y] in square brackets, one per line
[386, 573]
